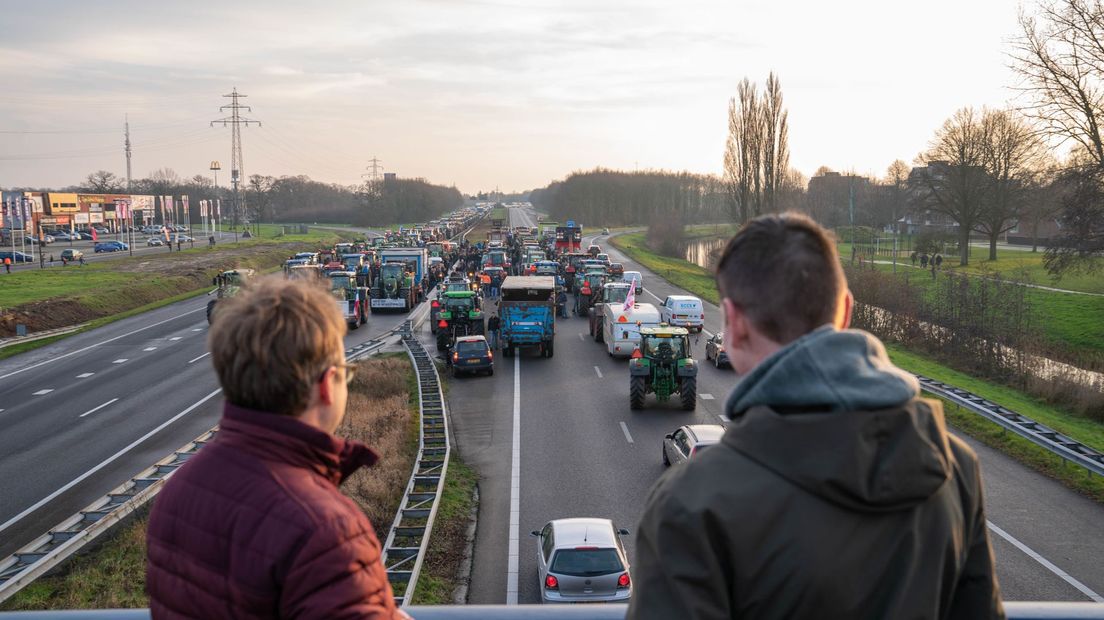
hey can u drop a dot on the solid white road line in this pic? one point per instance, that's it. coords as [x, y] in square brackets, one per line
[49, 498]
[93, 346]
[705, 396]
[515, 488]
[205, 355]
[625, 429]
[98, 408]
[120, 361]
[85, 375]
[599, 371]
[44, 392]
[1046, 563]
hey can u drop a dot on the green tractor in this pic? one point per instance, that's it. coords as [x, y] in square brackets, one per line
[460, 314]
[227, 285]
[393, 289]
[663, 366]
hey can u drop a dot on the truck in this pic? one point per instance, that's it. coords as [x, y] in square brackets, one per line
[418, 261]
[621, 327]
[393, 288]
[547, 229]
[527, 314]
[569, 238]
[351, 298]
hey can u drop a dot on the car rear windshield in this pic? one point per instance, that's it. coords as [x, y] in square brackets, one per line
[586, 562]
[468, 348]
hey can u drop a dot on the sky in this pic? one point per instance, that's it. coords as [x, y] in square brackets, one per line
[510, 94]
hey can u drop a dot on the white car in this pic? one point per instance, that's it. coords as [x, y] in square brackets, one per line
[152, 241]
[683, 311]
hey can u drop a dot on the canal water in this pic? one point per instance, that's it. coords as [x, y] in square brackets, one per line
[705, 251]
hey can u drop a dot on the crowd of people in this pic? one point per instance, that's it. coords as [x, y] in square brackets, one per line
[836, 492]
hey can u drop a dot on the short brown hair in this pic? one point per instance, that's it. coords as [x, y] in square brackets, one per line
[784, 273]
[273, 340]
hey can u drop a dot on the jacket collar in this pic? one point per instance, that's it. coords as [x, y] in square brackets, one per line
[282, 438]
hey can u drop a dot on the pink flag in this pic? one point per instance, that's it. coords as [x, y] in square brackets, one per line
[630, 299]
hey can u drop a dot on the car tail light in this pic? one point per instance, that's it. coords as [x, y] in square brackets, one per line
[490, 356]
[435, 304]
[551, 583]
[623, 581]
[455, 356]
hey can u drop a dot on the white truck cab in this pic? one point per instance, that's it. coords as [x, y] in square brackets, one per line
[621, 327]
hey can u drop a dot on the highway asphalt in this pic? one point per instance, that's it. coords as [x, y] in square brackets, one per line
[582, 452]
[81, 416]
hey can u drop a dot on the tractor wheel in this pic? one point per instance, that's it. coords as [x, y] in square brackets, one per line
[600, 332]
[666, 461]
[210, 309]
[636, 393]
[354, 324]
[507, 350]
[549, 349]
[688, 393]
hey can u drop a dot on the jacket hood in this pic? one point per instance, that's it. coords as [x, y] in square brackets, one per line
[832, 415]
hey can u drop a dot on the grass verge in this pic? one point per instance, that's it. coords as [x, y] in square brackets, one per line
[439, 577]
[698, 281]
[112, 574]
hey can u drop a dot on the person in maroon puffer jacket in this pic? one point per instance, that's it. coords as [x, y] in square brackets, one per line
[254, 525]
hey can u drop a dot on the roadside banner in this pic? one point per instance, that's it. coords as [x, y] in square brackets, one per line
[185, 213]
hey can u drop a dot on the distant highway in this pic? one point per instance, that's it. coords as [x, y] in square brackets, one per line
[583, 452]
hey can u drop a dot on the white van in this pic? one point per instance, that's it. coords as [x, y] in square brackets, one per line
[629, 276]
[683, 311]
[621, 328]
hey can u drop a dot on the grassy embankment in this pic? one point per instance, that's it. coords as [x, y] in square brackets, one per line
[104, 291]
[699, 281]
[381, 413]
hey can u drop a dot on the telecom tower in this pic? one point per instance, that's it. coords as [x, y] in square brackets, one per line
[237, 169]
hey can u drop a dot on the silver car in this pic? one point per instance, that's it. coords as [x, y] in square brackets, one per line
[582, 561]
[681, 445]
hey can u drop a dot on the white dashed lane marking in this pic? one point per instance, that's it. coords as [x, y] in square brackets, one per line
[120, 361]
[599, 371]
[150, 349]
[199, 358]
[705, 396]
[85, 375]
[175, 338]
[43, 392]
[625, 429]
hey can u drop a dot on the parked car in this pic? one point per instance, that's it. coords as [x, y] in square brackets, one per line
[582, 560]
[180, 238]
[683, 311]
[16, 257]
[61, 235]
[152, 241]
[630, 276]
[472, 354]
[714, 351]
[686, 442]
[71, 255]
[46, 240]
[110, 246]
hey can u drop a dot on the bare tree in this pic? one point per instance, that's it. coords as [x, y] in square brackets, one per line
[1012, 153]
[953, 180]
[103, 182]
[1042, 200]
[896, 183]
[757, 152]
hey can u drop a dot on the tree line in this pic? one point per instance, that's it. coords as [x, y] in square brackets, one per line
[295, 198]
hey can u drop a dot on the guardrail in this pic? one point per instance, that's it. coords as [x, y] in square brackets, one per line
[1039, 434]
[63, 540]
[407, 541]
[1015, 611]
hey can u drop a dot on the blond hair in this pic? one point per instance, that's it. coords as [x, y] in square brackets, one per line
[272, 342]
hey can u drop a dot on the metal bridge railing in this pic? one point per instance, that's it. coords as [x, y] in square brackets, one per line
[1016, 611]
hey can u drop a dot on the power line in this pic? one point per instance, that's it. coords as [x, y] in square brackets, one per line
[235, 121]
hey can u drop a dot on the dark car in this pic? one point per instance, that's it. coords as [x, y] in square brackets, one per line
[472, 354]
[616, 270]
[16, 257]
[69, 254]
[714, 351]
[110, 246]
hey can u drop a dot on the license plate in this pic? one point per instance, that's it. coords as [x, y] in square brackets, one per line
[473, 361]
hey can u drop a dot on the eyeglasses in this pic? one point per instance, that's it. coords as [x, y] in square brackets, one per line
[350, 371]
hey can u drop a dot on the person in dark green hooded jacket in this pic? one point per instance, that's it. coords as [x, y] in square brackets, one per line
[837, 491]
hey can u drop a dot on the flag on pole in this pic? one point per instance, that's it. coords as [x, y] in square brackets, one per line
[630, 299]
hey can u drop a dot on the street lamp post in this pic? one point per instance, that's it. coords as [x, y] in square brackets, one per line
[215, 167]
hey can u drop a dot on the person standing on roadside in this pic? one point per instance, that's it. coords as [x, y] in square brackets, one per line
[254, 525]
[493, 325]
[836, 491]
[7, 264]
